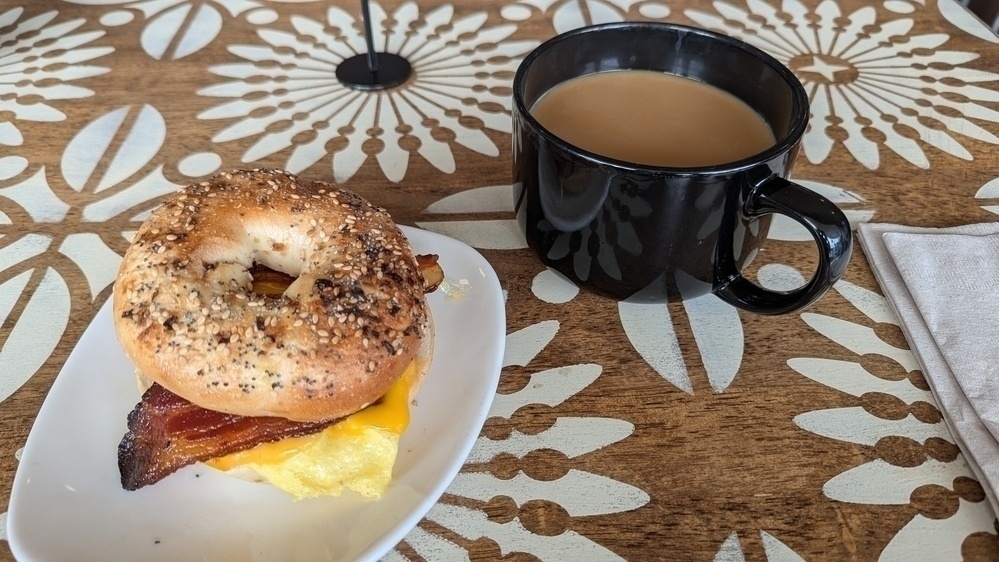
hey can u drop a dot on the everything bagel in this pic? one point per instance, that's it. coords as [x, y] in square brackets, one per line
[334, 342]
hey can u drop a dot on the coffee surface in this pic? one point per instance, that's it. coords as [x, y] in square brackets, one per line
[653, 118]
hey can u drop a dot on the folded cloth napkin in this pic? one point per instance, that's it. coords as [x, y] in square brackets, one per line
[943, 285]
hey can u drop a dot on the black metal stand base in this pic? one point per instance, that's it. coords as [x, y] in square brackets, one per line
[390, 71]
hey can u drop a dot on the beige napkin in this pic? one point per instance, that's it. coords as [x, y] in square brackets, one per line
[943, 285]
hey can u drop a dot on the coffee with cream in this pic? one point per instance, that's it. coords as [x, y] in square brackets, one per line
[653, 118]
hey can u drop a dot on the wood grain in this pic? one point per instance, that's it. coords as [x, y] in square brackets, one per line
[712, 463]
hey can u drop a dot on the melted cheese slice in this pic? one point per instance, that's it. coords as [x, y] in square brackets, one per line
[357, 453]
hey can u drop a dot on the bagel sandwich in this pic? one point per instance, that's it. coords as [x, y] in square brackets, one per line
[280, 330]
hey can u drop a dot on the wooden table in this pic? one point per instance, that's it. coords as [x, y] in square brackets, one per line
[689, 431]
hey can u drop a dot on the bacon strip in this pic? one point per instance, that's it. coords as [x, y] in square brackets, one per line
[167, 432]
[433, 274]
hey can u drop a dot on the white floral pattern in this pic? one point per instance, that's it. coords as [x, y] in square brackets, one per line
[125, 189]
[718, 333]
[178, 28]
[989, 191]
[871, 83]
[578, 492]
[773, 548]
[571, 14]
[38, 58]
[877, 481]
[458, 98]
[953, 11]
[39, 55]
[461, 73]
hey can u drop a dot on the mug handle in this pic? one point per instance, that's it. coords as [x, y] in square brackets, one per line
[825, 222]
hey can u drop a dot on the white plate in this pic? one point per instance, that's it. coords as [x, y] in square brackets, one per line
[67, 502]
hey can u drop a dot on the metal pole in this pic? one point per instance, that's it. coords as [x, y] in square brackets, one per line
[369, 38]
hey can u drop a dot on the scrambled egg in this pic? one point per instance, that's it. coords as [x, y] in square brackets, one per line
[357, 453]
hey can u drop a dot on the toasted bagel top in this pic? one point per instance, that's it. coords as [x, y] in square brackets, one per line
[341, 333]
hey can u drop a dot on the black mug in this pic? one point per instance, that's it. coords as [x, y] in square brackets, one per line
[656, 234]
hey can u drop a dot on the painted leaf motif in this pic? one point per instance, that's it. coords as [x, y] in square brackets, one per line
[853, 379]
[524, 345]
[100, 2]
[717, 331]
[485, 234]
[98, 262]
[122, 143]
[95, 147]
[550, 387]
[881, 483]
[856, 425]
[963, 19]
[603, 12]
[101, 145]
[730, 550]
[11, 166]
[871, 304]
[777, 551]
[92, 146]
[651, 332]
[138, 193]
[571, 15]
[779, 277]
[553, 287]
[39, 328]
[237, 7]
[203, 29]
[495, 234]
[36, 197]
[143, 141]
[784, 228]
[189, 32]
[570, 436]
[859, 339]
[10, 135]
[431, 546]
[489, 199]
[580, 493]
[989, 191]
[947, 535]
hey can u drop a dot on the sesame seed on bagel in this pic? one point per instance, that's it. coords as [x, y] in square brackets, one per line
[335, 340]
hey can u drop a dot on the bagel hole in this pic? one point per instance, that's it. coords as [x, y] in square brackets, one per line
[269, 282]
